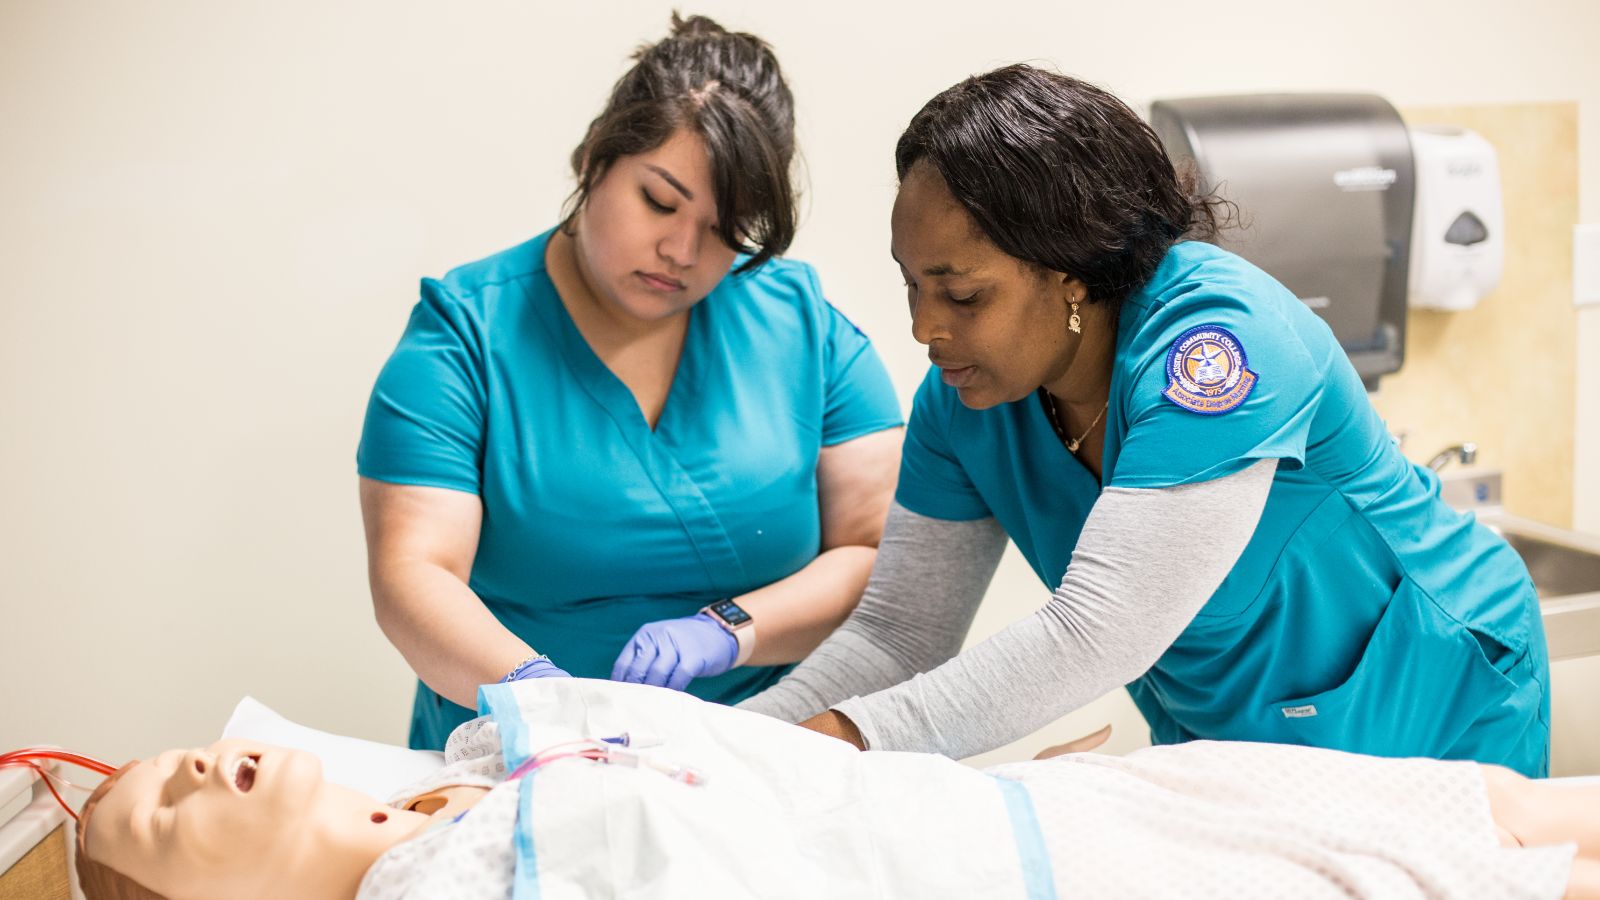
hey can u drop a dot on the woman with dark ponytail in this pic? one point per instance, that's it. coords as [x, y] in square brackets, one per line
[640, 445]
[1183, 453]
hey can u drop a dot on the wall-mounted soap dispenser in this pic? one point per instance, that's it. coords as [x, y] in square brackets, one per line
[1458, 228]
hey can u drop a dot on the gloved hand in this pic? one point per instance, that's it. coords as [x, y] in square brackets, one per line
[539, 667]
[673, 652]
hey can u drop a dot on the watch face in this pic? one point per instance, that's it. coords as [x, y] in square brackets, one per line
[730, 612]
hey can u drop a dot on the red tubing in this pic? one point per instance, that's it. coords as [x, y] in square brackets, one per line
[32, 757]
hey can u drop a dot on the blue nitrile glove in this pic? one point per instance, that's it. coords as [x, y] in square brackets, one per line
[673, 652]
[537, 667]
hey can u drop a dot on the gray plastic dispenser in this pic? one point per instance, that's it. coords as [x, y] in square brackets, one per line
[1324, 185]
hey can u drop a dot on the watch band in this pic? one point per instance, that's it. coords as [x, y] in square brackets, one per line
[736, 621]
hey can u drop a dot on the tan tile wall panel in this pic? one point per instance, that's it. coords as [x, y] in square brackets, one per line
[41, 874]
[1504, 373]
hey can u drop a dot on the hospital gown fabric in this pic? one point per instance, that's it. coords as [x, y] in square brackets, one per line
[473, 858]
[1241, 820]
[1203, 819]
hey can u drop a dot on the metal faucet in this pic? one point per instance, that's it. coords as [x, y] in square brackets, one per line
[1466, 452]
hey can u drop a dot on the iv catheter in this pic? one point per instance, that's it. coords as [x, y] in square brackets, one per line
[611, 751]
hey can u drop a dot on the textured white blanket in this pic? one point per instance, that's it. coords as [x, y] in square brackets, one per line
[788, 813]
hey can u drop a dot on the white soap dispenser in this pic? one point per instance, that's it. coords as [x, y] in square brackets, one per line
[1458, 227]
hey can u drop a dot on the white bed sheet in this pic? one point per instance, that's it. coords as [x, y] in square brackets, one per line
[380, 769]
[374, 768]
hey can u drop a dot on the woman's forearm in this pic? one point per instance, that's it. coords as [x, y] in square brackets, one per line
[443, 630]
[925, 586]
[1134, 583]
[795, 614]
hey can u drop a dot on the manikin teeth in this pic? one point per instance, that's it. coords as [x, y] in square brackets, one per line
[244, 775]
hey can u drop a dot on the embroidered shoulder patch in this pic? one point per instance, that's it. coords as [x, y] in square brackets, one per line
[1206, 371]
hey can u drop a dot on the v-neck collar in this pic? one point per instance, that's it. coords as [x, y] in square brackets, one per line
[669, 463]
[1041, 429]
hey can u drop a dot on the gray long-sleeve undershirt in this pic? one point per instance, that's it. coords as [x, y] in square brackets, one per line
[1136, 579]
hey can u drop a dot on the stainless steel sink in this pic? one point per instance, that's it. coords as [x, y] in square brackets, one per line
[1557, 569]
[1565, 566]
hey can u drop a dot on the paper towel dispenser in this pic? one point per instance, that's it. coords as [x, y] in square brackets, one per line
[1324, 184]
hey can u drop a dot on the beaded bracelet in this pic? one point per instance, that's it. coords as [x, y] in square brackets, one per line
[523, 666]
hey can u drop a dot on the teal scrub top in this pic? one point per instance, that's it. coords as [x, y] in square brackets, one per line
[593, 524]
[1363, 615]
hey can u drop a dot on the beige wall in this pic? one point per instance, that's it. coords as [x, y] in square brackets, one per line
[1504, 374]
[1586, 475]
[213, 216]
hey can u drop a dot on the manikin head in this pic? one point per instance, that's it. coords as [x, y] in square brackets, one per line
[236, 819]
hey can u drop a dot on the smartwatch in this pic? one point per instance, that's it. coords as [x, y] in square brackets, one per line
[735, 621]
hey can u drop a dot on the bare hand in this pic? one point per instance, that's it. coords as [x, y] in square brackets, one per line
[834, 724]
[1081, 745]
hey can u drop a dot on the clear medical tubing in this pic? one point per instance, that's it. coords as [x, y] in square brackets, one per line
[37, 758]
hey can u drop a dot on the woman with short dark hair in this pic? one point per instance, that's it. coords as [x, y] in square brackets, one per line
[641, 442]
[1181, 449]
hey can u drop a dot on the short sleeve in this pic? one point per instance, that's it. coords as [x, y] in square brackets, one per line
[933, 482]
[859, 398]
[425, 420]
[1214, 384]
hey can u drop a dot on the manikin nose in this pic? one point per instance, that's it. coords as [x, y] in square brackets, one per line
[192, 771]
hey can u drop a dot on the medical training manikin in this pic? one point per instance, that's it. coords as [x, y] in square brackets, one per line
[575, 788]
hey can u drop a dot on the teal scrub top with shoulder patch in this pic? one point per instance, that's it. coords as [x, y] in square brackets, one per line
[593, 524]
[1364, 614]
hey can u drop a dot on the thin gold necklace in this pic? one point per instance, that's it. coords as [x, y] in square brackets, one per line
[1073, 444]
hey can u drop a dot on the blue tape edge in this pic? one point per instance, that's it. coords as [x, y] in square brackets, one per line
[526, 885]
[499, 701]
[1038, 875]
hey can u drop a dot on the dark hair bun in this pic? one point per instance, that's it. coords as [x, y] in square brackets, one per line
[694, 26]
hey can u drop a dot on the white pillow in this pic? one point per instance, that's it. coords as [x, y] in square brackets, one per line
[368, 766]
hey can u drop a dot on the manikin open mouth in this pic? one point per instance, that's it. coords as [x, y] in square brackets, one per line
[244, 772]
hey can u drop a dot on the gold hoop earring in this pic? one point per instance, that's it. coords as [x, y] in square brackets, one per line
[1074, 322]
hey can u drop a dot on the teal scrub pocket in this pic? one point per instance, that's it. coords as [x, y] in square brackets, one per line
[1421, 684]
